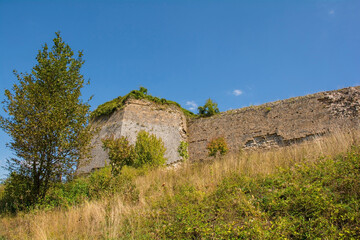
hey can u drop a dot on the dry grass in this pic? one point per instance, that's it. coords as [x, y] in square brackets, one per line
[110, 218]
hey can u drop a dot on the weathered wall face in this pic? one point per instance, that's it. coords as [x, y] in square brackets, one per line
[106, 126]
[165, 121]
[276, 124]
[279, 123]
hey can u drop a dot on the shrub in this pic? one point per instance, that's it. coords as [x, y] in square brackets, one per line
[149, 150]
[209, 109]
[67, 194]
[121, 153]
[16, 193]
[183, 150]
[217, 145]
[99, 184]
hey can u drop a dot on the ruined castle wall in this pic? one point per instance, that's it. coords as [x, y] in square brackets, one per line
[165, 121]
[277, 124]
[104, 126]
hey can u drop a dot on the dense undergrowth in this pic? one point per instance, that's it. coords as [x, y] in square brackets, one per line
[117, 103]
[304, 192]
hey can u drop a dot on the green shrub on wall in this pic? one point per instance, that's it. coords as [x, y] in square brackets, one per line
[183, 150]
[217, 145]
[148, 152]
[209, 109]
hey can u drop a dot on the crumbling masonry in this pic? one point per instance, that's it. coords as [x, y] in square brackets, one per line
[275, 124]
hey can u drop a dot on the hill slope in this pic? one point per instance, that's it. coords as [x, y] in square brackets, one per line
[296, 192]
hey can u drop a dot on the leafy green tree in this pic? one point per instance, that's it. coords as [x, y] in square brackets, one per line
[47, 120]
[209, 109]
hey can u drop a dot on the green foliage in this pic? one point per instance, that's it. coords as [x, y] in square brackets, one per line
[2, 190]
[149, 150]
[217, 145]
[66, 194]
[47, 119]
[183, 150]
[99, 184]
[121, 153]
[268, 109]
[209, 109]
[16, 195]
[117, 103]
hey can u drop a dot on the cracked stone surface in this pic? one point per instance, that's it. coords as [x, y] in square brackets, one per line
[279, 123]
[165, 121]
[270, 125]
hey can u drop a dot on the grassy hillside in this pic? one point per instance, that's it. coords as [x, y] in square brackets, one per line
[306, 191]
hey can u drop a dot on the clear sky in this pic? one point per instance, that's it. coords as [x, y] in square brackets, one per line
[236, 52]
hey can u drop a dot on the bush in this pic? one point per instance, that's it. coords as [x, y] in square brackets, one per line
[99, 184]
[16, 194]
[121, 153]
[217, 145]
[67, 194]
[209, 109]
[183, 150]
[149, 150]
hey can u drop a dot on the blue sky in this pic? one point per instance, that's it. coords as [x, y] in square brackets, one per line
[236, 52]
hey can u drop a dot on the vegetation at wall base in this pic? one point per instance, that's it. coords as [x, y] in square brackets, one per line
[117, 103]
[121, 153]
[217, 146]
[148, 152]
[183, 150]
[244, 197]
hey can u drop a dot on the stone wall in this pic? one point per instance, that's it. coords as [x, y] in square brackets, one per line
[165, 121]
[277, 124]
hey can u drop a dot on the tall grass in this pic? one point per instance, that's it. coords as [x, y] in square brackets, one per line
[112, 218]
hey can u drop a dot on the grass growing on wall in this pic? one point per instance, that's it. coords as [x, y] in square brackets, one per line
[305, 191]
[117, 103]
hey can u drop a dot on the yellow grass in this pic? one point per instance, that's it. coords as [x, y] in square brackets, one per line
[110, 218]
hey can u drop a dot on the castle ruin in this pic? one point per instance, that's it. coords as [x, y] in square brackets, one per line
[275, 124]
